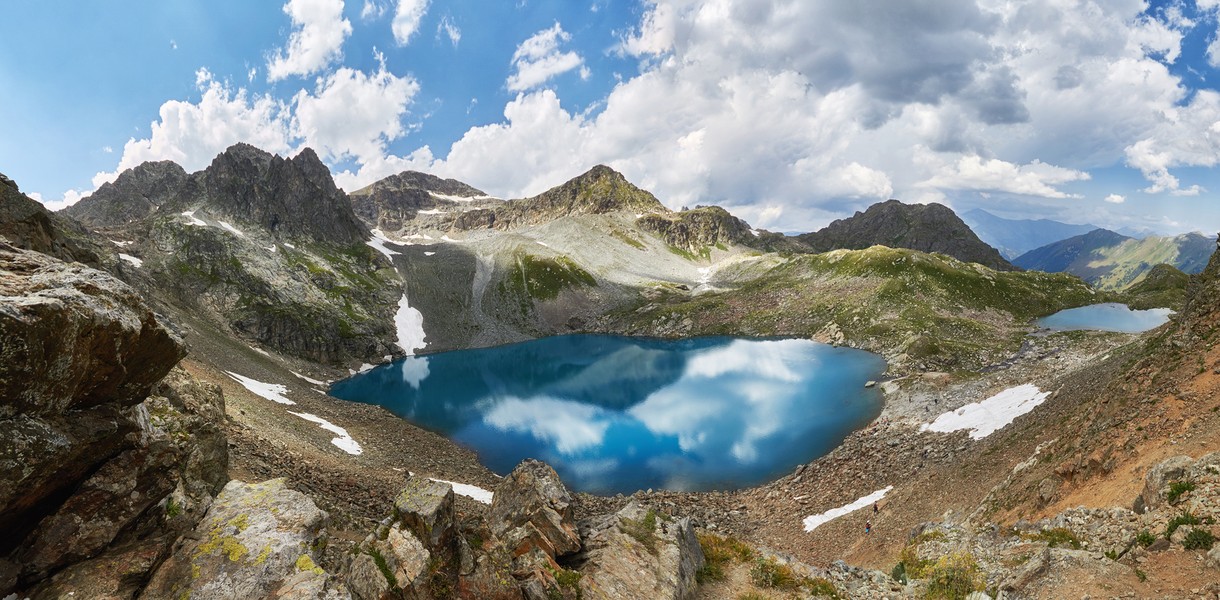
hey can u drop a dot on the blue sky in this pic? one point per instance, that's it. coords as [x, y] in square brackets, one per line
[788, 112]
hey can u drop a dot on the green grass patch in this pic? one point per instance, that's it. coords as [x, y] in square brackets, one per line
[771, 574]
[1057, 537]
[1199, 539]
[718, 553]
[954, 576]
[1145, 538]
[1177, 489]
[1185, 518]
[642, 530]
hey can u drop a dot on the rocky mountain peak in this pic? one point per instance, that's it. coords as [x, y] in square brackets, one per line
[133, 195]
[597, 191]
[425, 182]
[924, 227]
[291, 197]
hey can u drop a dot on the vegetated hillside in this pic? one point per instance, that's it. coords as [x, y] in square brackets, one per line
[923, 227]
[1014, 237]
[924, 311]
[1112, 261]
[1163, 286]
[262, 246]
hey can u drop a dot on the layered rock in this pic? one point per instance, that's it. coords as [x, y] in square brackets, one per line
[924, 227]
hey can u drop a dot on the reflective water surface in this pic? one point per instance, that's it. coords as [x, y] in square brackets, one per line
[617, 414]
[1106, 317]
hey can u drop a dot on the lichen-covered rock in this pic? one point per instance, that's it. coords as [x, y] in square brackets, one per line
[254, 540]
[393, 567]
[116, 575]
[638, 554]
[532, 508]
[425, 507]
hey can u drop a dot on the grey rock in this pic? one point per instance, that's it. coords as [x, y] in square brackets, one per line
[133, 195]
[425, 508]
[623, 559]
[1157, 479]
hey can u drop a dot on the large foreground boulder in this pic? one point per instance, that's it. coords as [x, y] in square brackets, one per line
[638, 554]
[414, 553]
[257, 541]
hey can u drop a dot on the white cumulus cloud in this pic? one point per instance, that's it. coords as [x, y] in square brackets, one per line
[1115, 198]
[539, 59]
[407, 16]
[319, 31]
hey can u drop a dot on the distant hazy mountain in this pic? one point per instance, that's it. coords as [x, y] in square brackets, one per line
[1014, 237]
[923, 227]
[1113, 261]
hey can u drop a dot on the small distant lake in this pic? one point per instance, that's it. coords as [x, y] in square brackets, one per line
[1106, 317]
[618, 414]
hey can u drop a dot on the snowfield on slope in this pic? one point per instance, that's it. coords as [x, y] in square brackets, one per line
[344, 441]
[271, 391]
[991, 415]
[813, 521]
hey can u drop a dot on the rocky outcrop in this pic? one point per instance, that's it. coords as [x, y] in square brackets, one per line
[698, 229]
[27, 224]
[390, 202]
[108, 454]
[1157, 480]
[256, 541]
[924, 227]
[637, 554]
[132, 196]
[600, 190]
[532, 509]
[289, 198]
[415, 551]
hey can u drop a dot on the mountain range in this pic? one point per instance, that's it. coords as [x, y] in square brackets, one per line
[1014, 237]
[1113, 261]
[174, 332]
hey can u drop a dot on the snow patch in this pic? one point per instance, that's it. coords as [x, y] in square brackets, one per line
[464, 489]
[271, 248]
[446, 238]
[230, 228]
[309, 379]
[196, 221]
[287, 245]
[121, 243]
[271, 391]
[410, 324]
[365, 368]
[419, 236]
[542, 243]
[458, 198]
[429, 253]
[131, 259]
[379, 242]
[991, 415]
[813, 521]
[260, 351]
[433, 211]
[344, 441]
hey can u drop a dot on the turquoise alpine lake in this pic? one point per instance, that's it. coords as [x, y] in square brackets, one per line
[1106, 317]
[619, 414]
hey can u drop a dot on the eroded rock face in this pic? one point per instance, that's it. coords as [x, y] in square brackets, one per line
[638, 554]
[532, 508]
[415, 549]
[256, 541]
[133, 195]
[27, 224]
